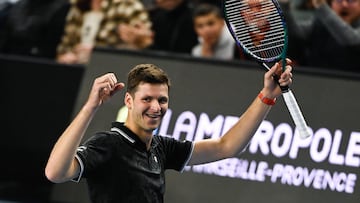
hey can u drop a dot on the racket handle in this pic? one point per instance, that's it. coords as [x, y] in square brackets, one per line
[295, 112]
[293, 108]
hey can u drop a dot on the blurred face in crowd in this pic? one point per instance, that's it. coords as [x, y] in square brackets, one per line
[348, 10]
[168, 4]
[209, 27]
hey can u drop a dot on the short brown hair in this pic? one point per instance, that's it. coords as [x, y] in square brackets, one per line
[204, 9]
[148, 73]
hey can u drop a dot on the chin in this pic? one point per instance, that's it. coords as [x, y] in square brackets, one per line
[153, 127]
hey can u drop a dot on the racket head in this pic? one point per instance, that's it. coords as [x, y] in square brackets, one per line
[258, 27]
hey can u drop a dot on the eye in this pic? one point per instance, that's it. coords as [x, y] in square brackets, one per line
[210, 23]
[147, 99]
[163, 100]
[199, 26]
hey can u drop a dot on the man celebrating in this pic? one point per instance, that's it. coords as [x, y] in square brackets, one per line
[128, 163]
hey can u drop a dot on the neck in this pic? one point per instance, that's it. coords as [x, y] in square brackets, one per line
[144, 135]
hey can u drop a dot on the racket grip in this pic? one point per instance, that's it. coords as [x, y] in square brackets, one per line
[295, 112]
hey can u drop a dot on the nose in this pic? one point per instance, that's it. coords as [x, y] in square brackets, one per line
[155, 106]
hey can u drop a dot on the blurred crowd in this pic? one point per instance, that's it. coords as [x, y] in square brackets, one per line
[322, 33]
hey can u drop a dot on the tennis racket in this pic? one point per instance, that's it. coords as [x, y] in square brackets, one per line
[259, 28]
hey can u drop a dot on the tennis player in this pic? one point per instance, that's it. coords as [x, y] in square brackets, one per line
[127, 163]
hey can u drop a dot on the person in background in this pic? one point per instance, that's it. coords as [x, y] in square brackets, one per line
[331, 40]
[33, 28]
[215, 40]
[107, 23]
[127, 24]
[173, 26]
[128, 163]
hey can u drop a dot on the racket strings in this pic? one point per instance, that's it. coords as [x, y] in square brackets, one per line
[259, 28]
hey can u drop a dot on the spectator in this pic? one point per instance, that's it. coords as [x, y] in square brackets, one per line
[111, 23]
[215, 40]
[173, 26]
[34, 28]
[332, 39]
[126, 25]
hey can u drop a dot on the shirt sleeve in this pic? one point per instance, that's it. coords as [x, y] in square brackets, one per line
[94, 153]
[81, 164]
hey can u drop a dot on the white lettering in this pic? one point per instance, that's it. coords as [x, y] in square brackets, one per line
[318, 151]
[261, 138]
[298, 176]
[207, 129]
[165, 123]
[278, 141]
[353, 151]
[297, 144]
[308, 177]
[335, 157]
[277, 171]
[350, 183]
[281, 141]
[185, 124]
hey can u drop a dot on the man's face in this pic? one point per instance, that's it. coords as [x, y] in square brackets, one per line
[147, 107]
[348, 10]
[209, 27]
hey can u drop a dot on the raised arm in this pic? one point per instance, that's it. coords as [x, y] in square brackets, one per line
[62, 165]
[235, 140]
[339, 27]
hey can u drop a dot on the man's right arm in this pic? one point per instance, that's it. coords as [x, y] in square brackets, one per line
[62, 165]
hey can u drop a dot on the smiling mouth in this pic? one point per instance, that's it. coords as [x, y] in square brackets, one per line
[153, 116]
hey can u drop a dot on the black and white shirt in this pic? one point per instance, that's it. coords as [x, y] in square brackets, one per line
[118, 168]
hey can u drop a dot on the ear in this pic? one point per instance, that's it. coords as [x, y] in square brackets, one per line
[128, 100]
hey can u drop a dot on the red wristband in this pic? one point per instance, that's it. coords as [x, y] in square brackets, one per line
[266, 100]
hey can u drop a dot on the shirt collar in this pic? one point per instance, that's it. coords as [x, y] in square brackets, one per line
[131, 137]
